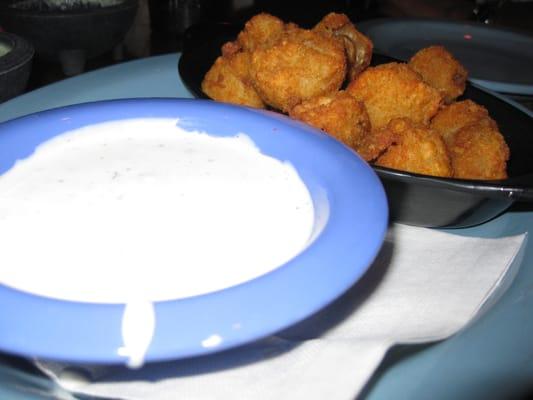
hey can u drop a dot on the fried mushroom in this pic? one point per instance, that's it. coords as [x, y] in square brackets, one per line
[394, 90]
[415, 148]
[479, 151]
[441, 70]
[357, 46]
[339, 115]
[228, 81]
[302, 65]
[457, 115]
[261, 32]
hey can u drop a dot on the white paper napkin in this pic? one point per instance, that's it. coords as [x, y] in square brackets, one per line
[425, 285]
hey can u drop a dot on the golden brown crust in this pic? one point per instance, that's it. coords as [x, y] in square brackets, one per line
[228, 81]
[260, 32]
[230, 48]
[416, 148]
[441, 70]
[394, 90]
[300, 66]
[375, 143]
[479, 151]
[456, 116]
[398, 115]
[358, 48]
[339, 115]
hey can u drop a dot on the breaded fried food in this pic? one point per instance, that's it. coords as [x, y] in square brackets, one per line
[416, 148]
[302, 65]
[456, 116]
[479, 151]
[261, 32]
[357, 46]
[441, 70]
[228, 81]
[394, 90]
[339, 115]
[375, 143]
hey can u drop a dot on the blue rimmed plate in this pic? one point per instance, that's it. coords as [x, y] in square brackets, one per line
[350, 214]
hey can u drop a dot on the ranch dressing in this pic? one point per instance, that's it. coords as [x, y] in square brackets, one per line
[138, 211]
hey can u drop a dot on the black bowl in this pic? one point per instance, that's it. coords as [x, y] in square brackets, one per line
[15, 65]
[88, 30]
[414, 199]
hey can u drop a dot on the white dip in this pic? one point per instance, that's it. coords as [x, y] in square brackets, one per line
[140, 210]
[111, 211]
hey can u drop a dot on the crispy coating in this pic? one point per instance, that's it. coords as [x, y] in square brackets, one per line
[479, 151]
[441, 70]
[398, 115]
[394, 90]
[228, 81]
[339, 115]
[302, 65]
[456, 116]
[230, 48]
[358, 47]
[375, 143]
[261, 32]
[416, 148]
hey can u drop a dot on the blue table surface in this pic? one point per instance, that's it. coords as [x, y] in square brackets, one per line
[492, 358]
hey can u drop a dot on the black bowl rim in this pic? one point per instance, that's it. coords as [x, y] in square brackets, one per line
[6, 9]
[515, 188]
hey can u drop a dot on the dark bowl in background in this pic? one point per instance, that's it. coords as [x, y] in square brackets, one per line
[77, 30]
[15, 65]
[414, 199]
